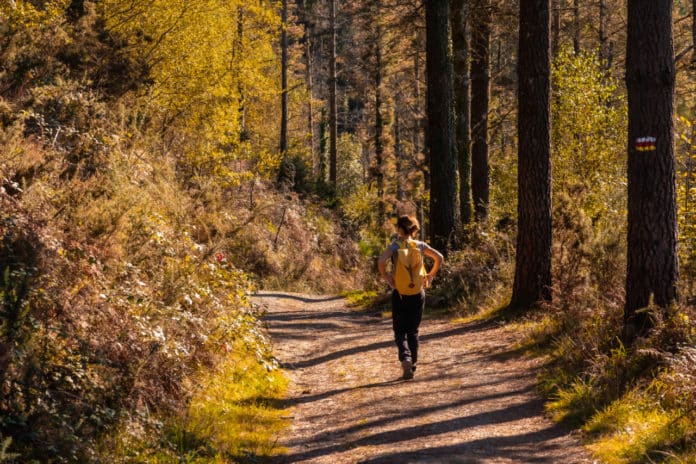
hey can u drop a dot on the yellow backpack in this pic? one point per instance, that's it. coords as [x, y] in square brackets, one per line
[409, 269]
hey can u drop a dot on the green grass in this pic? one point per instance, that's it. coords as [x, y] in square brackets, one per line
[635, 429]
[361, 299]
[236, 416]
[239, 414]
[574, 404]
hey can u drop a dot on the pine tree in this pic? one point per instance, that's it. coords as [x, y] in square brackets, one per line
[459, 16]
[480, 95]
[652, 266]
[533, 263]
[333, 104]
[444, 213]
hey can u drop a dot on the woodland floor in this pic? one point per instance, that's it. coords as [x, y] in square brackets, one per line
[471, 401]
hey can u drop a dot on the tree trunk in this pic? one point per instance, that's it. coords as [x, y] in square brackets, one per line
[558, 5]
[693, 30]
[323, 126]
[444, 212]
[652, 266]
[333, 113]
[398, 154]
[284, 80]
[533, 263]
[240, 88]
[480, 94]
[421, 121]
[603, 38]
[379, 127]
[286, 175]
[576, 26]
[309, 82]
[459, 11]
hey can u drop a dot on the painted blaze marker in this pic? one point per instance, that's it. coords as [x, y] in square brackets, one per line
[646, 144]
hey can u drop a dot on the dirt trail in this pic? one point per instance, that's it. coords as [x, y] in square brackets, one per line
[467, 404]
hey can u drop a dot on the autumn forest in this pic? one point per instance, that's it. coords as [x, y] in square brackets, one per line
[163, 161]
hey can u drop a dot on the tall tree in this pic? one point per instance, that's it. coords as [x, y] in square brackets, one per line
[238, 50]
[398, 154]
[652, 266]
[533, 263]
[459, 12]
[480, 95]
[557, 6]
[603, 38]
[286, 174]
[284, 79]
[379, 126]
[333, 111]
[308, 29]
[444, 212]
[577, 27]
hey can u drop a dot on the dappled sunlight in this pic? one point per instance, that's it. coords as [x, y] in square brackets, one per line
[349, 404]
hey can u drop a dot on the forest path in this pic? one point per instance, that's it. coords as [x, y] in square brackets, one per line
[469, 402]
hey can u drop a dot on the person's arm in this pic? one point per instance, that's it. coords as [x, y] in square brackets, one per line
[382, 266]
[437, 258]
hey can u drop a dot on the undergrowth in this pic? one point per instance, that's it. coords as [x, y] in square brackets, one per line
[635, 404]
[132, 240]
[235, 415]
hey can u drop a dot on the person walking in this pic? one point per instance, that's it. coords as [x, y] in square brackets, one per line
[408, 279]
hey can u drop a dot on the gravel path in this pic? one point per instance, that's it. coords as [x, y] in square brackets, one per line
[469, 403]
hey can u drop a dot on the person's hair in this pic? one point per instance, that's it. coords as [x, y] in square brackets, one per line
[408, 224]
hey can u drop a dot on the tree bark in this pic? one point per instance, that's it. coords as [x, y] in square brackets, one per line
[652, 267]
[239, 45]
[286, 175]
[309, 82]
[420, 120]
[533, 264]
[398, 154]
[459, 12]
[480, 95]
[444, 211]
[323, 126]
[284, 80]
[379, 127]
[333, 112]
[603, 38]
[576, 26]
[558, 5]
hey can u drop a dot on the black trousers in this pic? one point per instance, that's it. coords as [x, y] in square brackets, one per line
[407, 312]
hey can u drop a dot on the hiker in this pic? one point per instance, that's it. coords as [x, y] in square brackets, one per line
[408, 280]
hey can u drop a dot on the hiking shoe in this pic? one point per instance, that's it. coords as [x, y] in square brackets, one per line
[407, 367]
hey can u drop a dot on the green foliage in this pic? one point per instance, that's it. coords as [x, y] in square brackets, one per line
[234, 415]
[213, 73]
[349, 167]
[361, 298]
[637, 428]
[686, 198]
[589, 123]
[476, 275]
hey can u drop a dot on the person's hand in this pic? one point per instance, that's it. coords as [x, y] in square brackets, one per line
[428, 280]
[390, 280]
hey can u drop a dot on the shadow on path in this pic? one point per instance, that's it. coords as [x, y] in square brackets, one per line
[518, 448]
[304, 299]
[498, 445]
[420, 412]
[374, 346]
